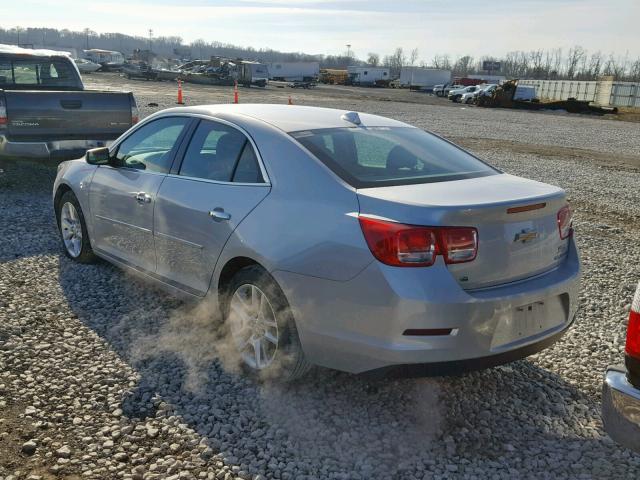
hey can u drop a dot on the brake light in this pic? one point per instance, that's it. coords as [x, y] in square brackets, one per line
[565, 222]
[3, 114]
[135, 115]
[632, 347]
[403, 245]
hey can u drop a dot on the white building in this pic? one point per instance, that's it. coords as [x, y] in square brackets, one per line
[294, 71]
[367, 75]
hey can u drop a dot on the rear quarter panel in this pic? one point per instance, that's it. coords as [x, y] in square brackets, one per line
[308, 223]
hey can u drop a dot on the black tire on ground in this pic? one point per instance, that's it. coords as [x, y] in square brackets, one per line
[86, 253]
[289, 363]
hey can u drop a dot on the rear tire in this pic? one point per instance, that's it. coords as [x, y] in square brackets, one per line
[266, 324]
[73, 230]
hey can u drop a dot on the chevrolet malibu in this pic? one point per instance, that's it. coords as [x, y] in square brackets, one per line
[328, 237]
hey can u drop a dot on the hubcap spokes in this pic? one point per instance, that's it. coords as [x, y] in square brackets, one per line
[253, 326]
[71, 229]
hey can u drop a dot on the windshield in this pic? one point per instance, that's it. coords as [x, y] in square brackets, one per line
[383, 156]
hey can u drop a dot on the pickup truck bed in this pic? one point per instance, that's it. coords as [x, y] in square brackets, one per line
[45, 111]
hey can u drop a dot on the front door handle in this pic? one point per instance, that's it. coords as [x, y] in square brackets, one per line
[218, 214]
[142, 197]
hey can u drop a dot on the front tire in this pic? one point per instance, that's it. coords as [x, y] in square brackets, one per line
[262, 327]
[73, 230]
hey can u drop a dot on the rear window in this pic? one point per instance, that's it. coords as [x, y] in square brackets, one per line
[384, 156]
[41, 72]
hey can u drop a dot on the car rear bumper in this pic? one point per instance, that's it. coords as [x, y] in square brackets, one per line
[362, 324]
[621, 408]
[64, 149]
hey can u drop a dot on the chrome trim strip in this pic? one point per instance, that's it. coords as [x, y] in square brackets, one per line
[120, 222]
[218, 182]
[181, 240]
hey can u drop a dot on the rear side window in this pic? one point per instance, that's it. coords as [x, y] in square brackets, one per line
[45, 72]
[151, 146]
[221, 153]
[384, 156]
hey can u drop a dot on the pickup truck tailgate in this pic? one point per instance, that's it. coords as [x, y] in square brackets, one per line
[35, 115]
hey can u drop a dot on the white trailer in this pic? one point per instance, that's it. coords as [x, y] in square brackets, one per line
[423, 78]
[368, 75]
[294, 71]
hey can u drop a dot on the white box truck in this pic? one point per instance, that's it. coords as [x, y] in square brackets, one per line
[423, 78]
[294, 71]
[368, 76]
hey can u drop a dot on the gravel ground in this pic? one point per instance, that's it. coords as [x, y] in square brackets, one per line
[105, 377]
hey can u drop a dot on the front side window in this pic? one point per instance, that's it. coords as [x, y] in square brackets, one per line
[221, 153]
[384, 156]
[151, 146]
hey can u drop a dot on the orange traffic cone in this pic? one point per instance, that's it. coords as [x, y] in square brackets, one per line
[235, 92]
[180, 102]
[290, 101]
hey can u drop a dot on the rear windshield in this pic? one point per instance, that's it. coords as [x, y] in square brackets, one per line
[383, 156]
[37, 72]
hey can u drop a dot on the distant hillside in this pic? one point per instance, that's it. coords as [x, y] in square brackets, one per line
[168, 47]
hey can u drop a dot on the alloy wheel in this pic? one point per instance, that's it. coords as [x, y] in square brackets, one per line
[253, 326]
[71, 229]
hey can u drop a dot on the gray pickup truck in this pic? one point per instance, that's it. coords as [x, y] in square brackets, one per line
[45, 111]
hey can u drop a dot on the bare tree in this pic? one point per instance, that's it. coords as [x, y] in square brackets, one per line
[576, 54]
[463, 66]
[414, 56]
[373, 59]
[441, 61]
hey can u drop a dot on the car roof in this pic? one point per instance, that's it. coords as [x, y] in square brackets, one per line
[289, 118]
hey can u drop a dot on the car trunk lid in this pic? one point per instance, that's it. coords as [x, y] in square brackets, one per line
[516, 220]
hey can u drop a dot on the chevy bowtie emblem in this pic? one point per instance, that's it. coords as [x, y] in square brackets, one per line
[526, 235]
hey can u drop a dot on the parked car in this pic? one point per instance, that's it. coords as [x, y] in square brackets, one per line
[87, 66]
[45, 110]
[443, 90]
[327, 237]
[621, 388]
[469, 97]
[456, 94]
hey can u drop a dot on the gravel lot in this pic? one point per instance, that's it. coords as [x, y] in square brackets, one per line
[102, 376]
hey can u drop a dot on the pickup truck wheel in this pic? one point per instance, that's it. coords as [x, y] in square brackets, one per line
[262, 328]
[73, 230]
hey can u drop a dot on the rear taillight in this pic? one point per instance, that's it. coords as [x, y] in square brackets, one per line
[403, 245]
[565, 222]
[3, 114]
[135, 115]
[632, 347]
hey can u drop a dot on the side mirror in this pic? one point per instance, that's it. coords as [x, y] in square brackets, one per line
[98, 156]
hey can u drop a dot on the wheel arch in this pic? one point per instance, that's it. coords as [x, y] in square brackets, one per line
[233, 266]
[62, 189]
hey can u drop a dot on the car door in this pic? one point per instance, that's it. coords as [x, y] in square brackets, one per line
[219, 181]
[122, 196]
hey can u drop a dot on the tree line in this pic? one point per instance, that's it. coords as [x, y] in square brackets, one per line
[575, 63]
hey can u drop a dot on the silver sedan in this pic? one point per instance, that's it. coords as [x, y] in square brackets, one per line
[327, 237]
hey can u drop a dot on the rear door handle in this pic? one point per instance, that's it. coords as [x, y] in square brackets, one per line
[142, 197]
[218, 214]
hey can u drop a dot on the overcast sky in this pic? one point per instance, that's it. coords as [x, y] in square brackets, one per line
[325, 26]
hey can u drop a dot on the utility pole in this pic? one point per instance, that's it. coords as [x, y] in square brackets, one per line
[18, 30]
[348, 50]
[150, 38]
[86, 33]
